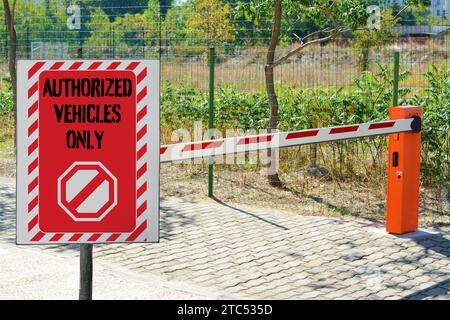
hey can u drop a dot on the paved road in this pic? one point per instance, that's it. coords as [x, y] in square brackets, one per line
[236, 253]
[33, 274]
[28, 272]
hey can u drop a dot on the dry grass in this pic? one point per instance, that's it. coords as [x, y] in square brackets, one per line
[3, 73]
[251, 77]
[7, 161]
[326, 66]
[354, 186]
[317, 66]
[301, 194]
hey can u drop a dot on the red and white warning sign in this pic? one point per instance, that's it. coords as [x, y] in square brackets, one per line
[88, 151]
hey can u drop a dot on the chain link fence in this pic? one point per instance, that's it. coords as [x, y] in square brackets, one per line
[332, 65]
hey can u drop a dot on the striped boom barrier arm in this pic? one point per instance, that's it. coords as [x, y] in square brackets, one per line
[217, 147]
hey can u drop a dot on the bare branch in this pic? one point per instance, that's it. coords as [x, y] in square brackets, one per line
[333, 33]
[400, 11]
[301, 40]
[304, 45]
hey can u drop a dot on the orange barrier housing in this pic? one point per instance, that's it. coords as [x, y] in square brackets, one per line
[402, 209]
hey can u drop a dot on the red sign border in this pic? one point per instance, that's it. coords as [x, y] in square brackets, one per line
[147, 227]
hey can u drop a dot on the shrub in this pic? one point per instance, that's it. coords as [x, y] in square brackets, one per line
[308, 108]
[435, 103]
[6, 103]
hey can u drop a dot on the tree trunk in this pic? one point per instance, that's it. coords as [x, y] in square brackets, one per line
[9, 16]
[313, 155]
[365, 59]
[270, 87]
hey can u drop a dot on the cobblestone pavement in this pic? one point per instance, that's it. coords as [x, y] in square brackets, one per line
[253, 254]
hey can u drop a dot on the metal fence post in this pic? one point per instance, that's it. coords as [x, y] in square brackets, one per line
[80, 48]
[395, 80]
[86, 272]
[5, 44]
[113, 40]
[109, 42]
[160, 37]
[211, 115]
[143, 43]
[28, 45]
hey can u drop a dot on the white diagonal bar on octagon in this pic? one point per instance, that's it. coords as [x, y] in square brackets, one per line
[217, 147]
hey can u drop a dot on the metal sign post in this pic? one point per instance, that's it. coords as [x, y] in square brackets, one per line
[86, 271]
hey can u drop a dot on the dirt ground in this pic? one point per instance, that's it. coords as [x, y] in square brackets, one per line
[300, 194]
[7, 163]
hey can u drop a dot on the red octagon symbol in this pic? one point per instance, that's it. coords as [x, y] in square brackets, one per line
[87, 191]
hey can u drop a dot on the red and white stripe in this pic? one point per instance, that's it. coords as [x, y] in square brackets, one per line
[33, 152]
[217, 147]
[142, 217]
